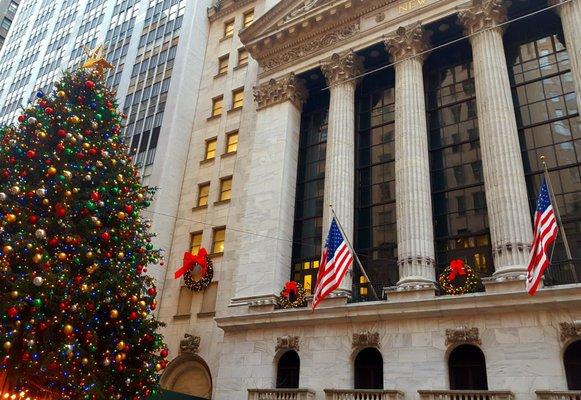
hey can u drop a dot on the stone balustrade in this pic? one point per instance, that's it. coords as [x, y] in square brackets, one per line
[363, 394]
[281, 394]
[558, 395]
[465, 395]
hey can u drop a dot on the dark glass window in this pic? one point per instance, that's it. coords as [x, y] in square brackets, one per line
[547, 118]
[375, 214]
[287, 373]
[572, 360]
[307, 234]
[369, 369]
[458, 199]
[467, 368]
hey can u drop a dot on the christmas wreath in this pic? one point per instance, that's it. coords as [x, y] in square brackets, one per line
[197, 270]
[292, 296]
[458, 278]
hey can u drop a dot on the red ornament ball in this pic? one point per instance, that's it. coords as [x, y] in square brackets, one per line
[49, 110]
[105, 236]
[12, 312]
[61, 133]
[164, 353]
[151, 291]
[31, 154]
[90, 85]
[21, 118]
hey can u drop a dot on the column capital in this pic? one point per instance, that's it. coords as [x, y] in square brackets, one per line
[287, 88]
[482, 14]
[342, 67]
[408, 42]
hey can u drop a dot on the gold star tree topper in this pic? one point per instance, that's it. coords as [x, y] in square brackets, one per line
[96, 59]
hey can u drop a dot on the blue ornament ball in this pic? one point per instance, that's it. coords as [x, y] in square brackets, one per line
[39, 94]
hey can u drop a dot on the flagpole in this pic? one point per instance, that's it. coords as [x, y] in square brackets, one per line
[558, 214]
[353, 251]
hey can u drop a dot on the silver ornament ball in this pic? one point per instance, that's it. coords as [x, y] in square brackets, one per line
[37, 281]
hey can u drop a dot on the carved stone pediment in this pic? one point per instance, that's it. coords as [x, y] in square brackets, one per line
[570, 330]
[294, 29]
[366, 339]
[287, 343]
[462, 334]
[189, 344]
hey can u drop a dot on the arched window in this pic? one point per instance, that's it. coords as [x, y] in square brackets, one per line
[187, 375]
[287, 374]
[467, 368]
[572, 359]
[369, 369]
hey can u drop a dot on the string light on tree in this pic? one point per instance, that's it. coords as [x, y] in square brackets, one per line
[75, 302]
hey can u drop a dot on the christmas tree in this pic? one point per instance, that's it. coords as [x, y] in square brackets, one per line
[75, 302]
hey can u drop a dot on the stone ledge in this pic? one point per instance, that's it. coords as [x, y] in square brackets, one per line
[465, 305]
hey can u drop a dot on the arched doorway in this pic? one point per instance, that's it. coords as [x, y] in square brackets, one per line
[368, 369]
[288, 370]
[188, 374]
[572, 360]
[467, 368]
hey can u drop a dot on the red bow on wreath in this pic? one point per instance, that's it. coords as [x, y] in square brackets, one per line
[456, 269]
[190, 261]
[290, 287]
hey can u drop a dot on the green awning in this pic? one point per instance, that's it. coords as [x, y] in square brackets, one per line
[169, 395]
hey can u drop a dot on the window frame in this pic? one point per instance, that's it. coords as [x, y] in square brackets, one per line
[216, 230]
[223, 68]
[237, 103]
[217, 111]
[202, 186]
[224, 180]
[227, 144]
[245, 23]
[207, 150]
[228, 33]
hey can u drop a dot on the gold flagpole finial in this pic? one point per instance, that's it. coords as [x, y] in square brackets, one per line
[96, 59]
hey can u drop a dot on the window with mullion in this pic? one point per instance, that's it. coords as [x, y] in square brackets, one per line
[375, 214]
[307, 233]
[548, 120]
[458, 199]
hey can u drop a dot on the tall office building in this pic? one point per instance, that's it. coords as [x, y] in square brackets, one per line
[157, 49]
[7, 11]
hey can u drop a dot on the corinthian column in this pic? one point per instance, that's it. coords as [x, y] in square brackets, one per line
[570, 13]
[268, 201]
[415, 231]
[340, 71]
[504, 180]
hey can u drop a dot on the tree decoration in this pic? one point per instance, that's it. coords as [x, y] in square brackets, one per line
[197, 270]
[458, 278]
[292, 296]
[75, 302]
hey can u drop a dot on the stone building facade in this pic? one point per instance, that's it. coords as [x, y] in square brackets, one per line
[427, 126]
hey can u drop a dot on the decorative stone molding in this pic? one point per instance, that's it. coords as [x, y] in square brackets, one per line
[287, 343]
[287, 88]
[305, 7]
[342, 67]
[366, 339]
[510, 247]
[570, 330]
[189, 344]
[408, 42]
[462, 334]
[427, 261]
[483, 14]
[309, 46]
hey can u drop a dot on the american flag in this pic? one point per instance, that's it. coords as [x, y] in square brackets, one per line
[335, 263]
[545, 232]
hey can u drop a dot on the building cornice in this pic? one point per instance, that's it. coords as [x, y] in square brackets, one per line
[548, 299]
[215, 13]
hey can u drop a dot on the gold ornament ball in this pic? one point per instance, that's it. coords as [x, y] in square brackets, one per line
[62, 256]
[89, 255]
[120, 255]
[68, 193]
[42, 134]
[74, 119]
[118, 358]
[86, 145]
[144, 314]
[10, 218]
[51, 171]
[121, 345]
[7, 345]
[68, 329]
[60, 94]
[14, 294]
[84, 361]
[134, 299]
[121, 215]
[84, 287]
[67, 174]
[114, 314]
[45, 202]
[119, 178]
[7, 248]
[158, 367]
[37, 258]
[142, 304]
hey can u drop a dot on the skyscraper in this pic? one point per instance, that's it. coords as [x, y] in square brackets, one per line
[157, 49]
[7, 11]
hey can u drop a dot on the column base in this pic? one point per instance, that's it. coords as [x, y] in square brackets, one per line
[411, 291]
[338, 297]
[263, 303]
[505, 283]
